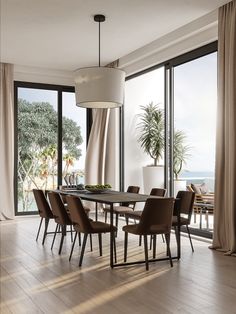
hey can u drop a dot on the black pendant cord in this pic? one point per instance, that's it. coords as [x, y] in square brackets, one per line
[99, 45]
[99, 18]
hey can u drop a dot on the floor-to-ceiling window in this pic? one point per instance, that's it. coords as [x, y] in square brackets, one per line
[185, 87]
[140, 92]
[50, 141]
[195, 100]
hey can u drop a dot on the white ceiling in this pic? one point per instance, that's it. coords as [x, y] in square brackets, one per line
[61, 34]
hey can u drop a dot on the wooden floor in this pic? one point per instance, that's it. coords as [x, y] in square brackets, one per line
[35, 279]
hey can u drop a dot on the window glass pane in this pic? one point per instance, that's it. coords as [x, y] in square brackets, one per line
[140, 91]
[73, 140]
[195, 100]
[37, 144]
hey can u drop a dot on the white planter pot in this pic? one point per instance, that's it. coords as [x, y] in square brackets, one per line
[179, 185]
[153, 177]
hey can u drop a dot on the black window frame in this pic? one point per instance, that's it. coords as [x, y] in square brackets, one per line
[59, 89]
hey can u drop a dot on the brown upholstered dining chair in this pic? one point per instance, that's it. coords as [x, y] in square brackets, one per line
[124, 207]
[44, 211]
[136, 214]
[156, 219]
[83, 224]
[184, 208]
[61, 217]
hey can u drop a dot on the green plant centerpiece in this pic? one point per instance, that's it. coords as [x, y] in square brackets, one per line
[180, 152]
[151, 128]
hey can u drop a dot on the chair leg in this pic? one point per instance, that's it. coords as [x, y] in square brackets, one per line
[190, 238]
[91, 242]
[127, 220]
[105, 216]
[45, 230]
[177, 237]
[151, 237]
[54, 237]
[126, 246]
[83, 248]
[40, 224]
[100, 243]
[154, 245]
[146, 251]
[117, 217]
[167, 236]
[73, 244]
[63, 232]
[71, 233]
[140, 240]
[114, 238]
[79, 239]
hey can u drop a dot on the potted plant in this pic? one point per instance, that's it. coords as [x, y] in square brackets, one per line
[151, 128]
[180, 156]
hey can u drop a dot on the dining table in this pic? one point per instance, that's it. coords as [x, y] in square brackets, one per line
[111, 197]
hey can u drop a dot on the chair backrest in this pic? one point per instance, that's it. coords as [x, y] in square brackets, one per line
[131, 189]
[157, 211]
[158, 192]
[58, 209]
[78, 214]
[184, 203]
[42, 204]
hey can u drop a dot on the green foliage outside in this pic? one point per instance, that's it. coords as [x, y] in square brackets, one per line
[37, 147]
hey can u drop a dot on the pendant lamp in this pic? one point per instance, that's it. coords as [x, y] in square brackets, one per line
[99, 87]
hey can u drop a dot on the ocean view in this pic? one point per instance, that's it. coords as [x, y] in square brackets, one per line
[199, 177]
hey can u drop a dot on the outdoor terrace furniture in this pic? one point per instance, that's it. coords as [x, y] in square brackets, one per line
[44, 211]
[124, 207]
[156, 219]
[82, 224]
[203, 203]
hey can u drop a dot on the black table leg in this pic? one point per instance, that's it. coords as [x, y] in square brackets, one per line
[96, 211]
[111, 236]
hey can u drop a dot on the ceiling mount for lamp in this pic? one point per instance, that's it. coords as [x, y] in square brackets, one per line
[99, 87]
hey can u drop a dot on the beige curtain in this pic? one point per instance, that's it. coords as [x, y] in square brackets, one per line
[224, 237]
[6, 142]
[96, 150]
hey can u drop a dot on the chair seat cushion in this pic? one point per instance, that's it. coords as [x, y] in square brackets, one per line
[98, 227]
[134, 214]
[183, 221]
[155, 229]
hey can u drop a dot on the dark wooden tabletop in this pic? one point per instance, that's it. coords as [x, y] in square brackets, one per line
[108, 197]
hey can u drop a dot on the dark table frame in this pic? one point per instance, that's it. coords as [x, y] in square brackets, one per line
[110, 198]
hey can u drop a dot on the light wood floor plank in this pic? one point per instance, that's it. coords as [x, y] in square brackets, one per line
[35, 279]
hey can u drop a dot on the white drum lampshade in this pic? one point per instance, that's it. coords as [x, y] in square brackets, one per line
[99, 87]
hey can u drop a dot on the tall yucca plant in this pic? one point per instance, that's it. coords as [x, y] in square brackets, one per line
[151, 127]
[181, 152]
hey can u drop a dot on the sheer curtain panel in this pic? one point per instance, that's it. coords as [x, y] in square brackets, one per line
[6, 142]
[224, 238]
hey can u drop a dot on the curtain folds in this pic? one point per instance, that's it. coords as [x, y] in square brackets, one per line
[96, 150]
[6, 142]
[224, 238]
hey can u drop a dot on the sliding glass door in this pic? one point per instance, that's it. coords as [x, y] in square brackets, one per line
[195, 101]
[50, 141]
